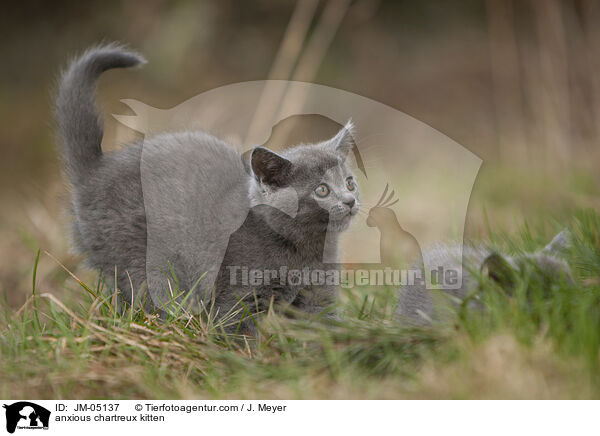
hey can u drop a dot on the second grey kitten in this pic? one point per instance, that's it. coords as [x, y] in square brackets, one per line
[185, 200]
[420, 306]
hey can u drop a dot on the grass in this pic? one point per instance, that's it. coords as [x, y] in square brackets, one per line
[532, 343]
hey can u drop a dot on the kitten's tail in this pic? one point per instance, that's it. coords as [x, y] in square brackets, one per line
[79, 124]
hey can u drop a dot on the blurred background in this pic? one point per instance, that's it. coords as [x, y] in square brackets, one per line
[515, 82]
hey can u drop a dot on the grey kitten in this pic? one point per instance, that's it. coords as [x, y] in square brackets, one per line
[189, 200]
[419, 306]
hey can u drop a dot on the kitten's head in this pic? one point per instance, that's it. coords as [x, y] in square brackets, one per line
[310, 183]
[544, 266]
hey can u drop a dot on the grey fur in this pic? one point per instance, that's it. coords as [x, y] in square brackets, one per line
[187, 198]
[109, 216]
[79, 125]
[419, 306]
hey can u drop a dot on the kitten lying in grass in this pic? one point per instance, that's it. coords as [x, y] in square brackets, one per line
[283, 208]
[419, 306]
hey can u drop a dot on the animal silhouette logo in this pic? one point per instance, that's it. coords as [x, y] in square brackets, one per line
[397, 247]
[26, 415]
[433, 174]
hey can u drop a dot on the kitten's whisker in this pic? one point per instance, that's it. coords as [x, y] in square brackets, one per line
[367, 207]
[364, 203]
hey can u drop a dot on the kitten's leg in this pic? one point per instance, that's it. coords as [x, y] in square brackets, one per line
[317, 300]
[252, 305]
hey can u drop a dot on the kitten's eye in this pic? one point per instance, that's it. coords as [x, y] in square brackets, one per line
[350, 185]
[322, 190]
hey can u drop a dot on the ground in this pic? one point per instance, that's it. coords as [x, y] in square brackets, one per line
[73, 343]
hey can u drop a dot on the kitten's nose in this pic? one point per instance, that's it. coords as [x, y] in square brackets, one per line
[350, 202]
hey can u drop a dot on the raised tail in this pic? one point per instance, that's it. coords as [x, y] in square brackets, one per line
[79, 123]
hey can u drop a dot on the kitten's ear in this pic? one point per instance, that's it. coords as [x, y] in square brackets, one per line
[497, 268]
[269, 167]
[559, 243]
[343, 142]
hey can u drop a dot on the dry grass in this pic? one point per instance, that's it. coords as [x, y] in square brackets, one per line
[84, 346]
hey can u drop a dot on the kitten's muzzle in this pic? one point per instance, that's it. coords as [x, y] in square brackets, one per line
[350, 202]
